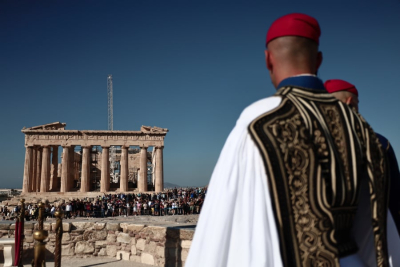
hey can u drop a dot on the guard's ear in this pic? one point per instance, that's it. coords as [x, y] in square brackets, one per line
[268, 62]
[348, 100]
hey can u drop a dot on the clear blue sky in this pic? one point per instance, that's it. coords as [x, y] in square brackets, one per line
[190, 66]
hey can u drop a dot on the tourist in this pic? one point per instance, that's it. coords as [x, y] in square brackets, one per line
[157, 208]
[52, 211]
[81, 208]
[47, 210]
[109, 208]
[166, 208]
[198, 205]
[191, 206]
[134, 208]
[145, 208]
[68, 209]
[128, 206]
[139, 207]
[33, 212]
[88, 209]
[173, 207]
[150, 203]
[120, 208]
[73, 208]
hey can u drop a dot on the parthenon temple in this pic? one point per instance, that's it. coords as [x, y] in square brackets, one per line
[92, 160]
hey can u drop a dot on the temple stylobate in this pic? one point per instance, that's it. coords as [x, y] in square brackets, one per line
[85, 160]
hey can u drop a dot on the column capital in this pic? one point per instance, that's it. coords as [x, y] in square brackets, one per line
[86, 146]
[159, 147]
[143, 147]
[66, 146]
[105, 147]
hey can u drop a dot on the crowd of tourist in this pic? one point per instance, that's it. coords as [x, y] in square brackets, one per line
[175, 201]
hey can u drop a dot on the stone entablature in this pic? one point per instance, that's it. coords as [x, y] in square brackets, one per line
[153, 245]
[90, 138]
[41, 157]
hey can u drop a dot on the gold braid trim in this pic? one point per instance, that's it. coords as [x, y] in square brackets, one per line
[304, 227]
[379, 187]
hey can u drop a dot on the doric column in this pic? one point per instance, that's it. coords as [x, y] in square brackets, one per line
[85, 173]
[71, 169]
[38, 168]
[159, 184]
[45, 177]
[143, 170]
[65, 169]
[32, 169]
[34, 155]
[54, 186]
[26, 185]
[78, 166]
[123, 185]
[105, 170]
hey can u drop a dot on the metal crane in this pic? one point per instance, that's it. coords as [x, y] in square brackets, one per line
[113, 165]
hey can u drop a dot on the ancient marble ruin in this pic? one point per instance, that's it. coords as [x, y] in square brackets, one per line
[164, 245]
[85, 160]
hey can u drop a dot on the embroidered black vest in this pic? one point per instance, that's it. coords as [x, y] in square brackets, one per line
[316, 149]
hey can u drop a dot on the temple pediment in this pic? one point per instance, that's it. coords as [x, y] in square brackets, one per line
[49, 126]
[154, 129]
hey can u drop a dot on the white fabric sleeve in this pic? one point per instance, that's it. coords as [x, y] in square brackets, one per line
[364, 236]
[237, 226]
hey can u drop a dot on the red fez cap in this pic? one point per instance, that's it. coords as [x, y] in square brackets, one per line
[337, 85]
[295, 24]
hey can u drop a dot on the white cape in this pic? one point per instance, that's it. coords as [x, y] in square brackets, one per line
[237, 225]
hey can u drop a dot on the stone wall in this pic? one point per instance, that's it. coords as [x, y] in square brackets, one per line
[154, 245]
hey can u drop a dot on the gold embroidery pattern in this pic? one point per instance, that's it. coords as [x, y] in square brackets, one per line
[299, 169]
[297, 158]
[332, 118]
[297, 154]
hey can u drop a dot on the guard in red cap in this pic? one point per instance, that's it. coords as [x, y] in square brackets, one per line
[344, 91]
[348, 93]
[287, 188]
[292, 48]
